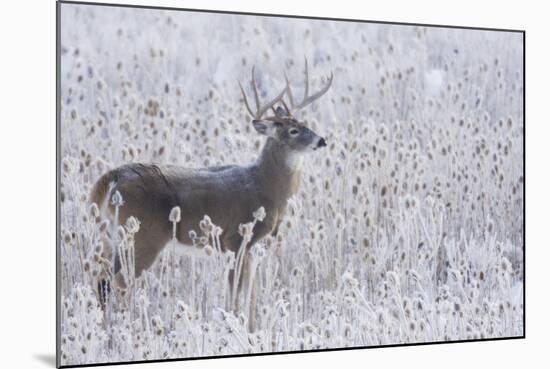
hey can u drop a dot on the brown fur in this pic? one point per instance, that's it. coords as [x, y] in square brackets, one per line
[228, 194]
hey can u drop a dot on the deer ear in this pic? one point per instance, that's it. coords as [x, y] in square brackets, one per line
[281, 113]
[265, 127]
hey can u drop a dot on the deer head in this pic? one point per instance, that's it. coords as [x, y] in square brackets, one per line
[282, 126]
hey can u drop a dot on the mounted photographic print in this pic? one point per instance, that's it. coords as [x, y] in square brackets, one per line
[240, 184]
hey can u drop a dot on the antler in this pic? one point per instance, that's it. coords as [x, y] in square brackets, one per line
[260, 110]
[308, 99]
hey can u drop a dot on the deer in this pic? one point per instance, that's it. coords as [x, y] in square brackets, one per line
[228, 194]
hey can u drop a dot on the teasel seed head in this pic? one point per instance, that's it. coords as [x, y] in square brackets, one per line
[175, 214]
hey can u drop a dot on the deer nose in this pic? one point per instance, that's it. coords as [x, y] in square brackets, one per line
[321, 143]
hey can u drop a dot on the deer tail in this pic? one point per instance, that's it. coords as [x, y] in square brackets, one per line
[101, 191]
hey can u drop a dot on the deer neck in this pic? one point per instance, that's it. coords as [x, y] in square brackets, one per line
[279, 170]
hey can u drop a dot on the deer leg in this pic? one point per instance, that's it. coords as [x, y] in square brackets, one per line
[229, 301]
[243, 277]
[103, 290]
[232, 242]
[247, 285]
[247, 277]
[253, 285]
[146, 250]
[104, 279]
[250, 276]
[148, 245]
[234, 302]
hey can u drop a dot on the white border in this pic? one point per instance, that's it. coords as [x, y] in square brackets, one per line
[27, 239]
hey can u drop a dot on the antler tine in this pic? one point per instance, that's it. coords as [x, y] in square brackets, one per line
[246, 100]
[271, 103]
[253, 83]
[308, 100]
[306, 90]
[285, 106]
[290, 97]
[260, 110]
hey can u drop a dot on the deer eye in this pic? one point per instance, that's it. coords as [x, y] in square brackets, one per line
[293, 132]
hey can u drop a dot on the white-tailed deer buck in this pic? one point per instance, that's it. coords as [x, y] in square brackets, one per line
[227, 194]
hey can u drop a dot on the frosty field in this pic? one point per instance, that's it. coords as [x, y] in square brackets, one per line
[408, 226]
